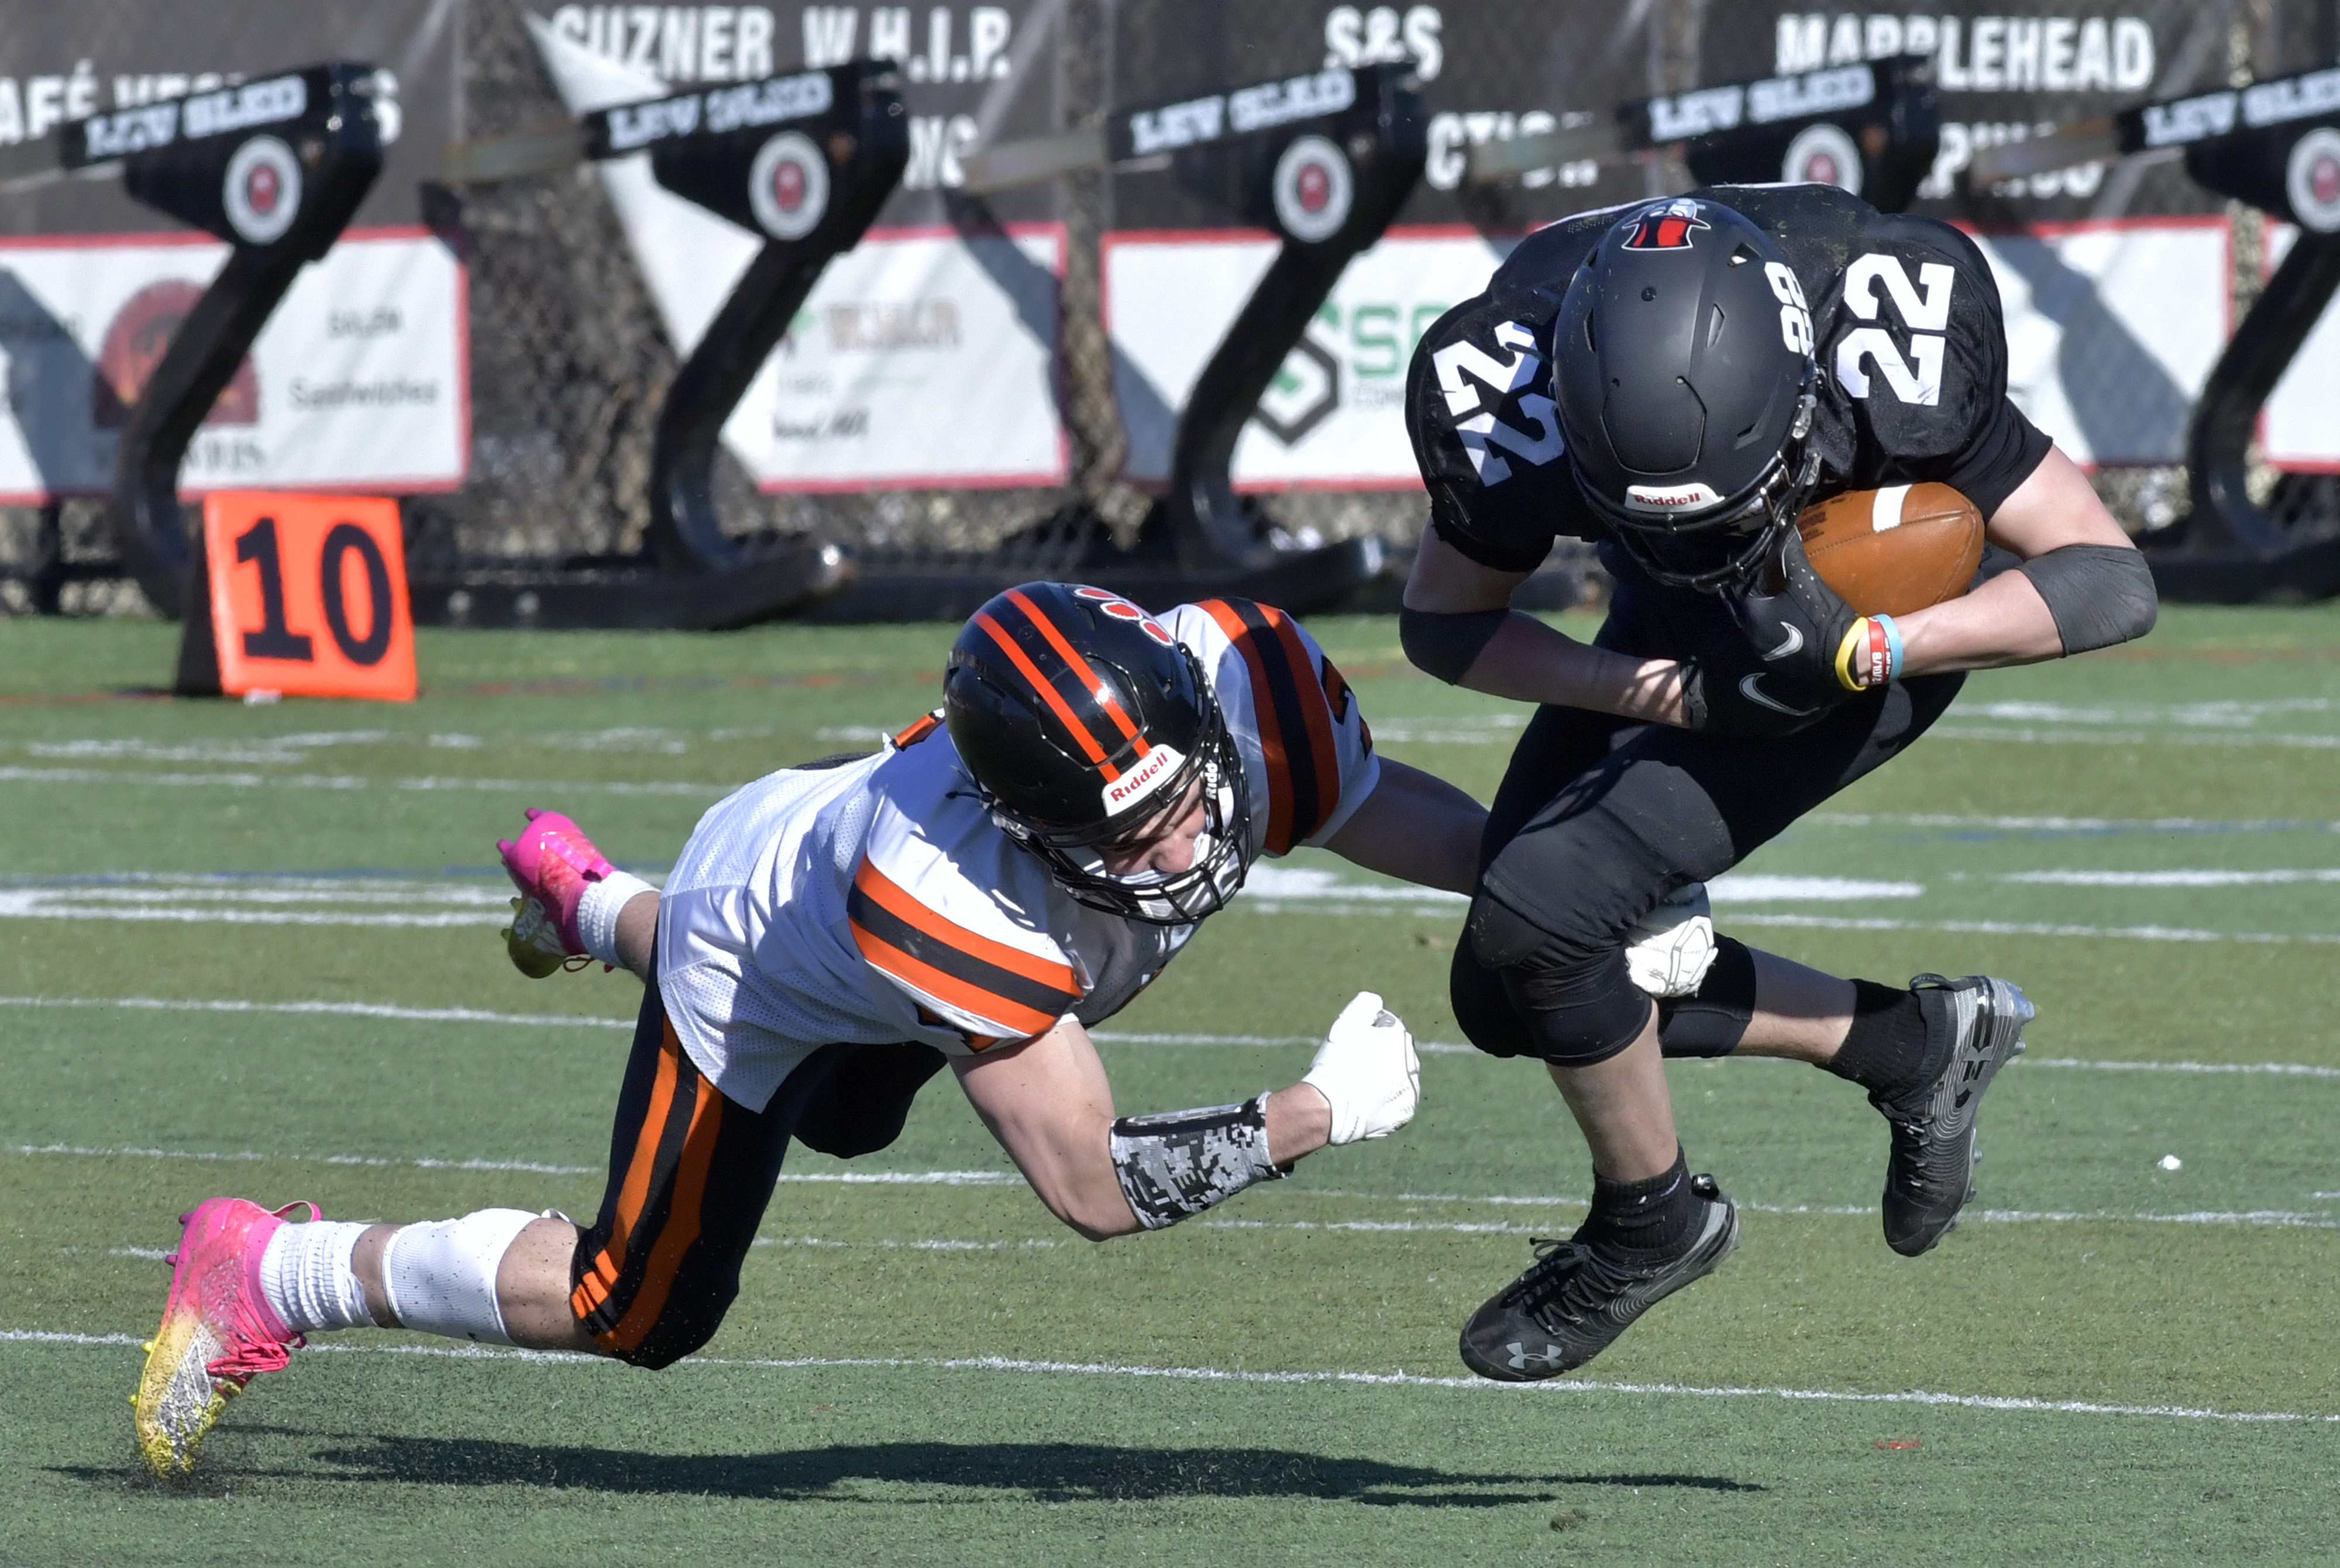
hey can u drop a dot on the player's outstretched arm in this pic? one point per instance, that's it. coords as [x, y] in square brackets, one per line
[1416, 826]
[1049, 1104]
[2084, 585]
[1457, 623]
[573, 904]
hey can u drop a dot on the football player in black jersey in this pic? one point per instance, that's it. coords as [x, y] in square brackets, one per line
[1676, 382]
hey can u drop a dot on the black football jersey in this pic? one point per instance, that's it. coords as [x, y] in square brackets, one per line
[1912, 357]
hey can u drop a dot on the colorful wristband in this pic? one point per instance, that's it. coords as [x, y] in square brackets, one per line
[1871, 654]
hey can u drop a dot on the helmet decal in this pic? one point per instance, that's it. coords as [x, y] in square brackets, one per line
[1671, 499]
[1120, 609]
[1666, 226]
[1161, 764]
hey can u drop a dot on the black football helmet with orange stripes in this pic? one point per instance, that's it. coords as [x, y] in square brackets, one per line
[1085, 725]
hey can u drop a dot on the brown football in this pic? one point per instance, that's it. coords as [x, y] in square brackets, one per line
[1894, 550]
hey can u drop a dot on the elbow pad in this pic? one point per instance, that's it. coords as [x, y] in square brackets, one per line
[1447, 645]
[2099, 594]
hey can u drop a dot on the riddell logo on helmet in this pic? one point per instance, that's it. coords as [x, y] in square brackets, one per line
[1666, 226]
[1160, 765]
[1690, 498]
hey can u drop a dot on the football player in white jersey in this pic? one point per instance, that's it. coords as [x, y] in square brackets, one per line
[1006, 873]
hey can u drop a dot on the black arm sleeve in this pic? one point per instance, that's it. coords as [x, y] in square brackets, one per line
[1447, 644]
[2099, 594]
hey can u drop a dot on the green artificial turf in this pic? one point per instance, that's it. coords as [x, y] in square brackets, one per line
[2144, 839]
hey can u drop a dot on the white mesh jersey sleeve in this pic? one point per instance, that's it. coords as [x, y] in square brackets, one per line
[946, 910]
[1307, 751]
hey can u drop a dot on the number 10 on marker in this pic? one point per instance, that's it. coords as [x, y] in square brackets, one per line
[308, 595]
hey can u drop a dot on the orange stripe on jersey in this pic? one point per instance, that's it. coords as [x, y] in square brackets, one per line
[1041, 684]
[1020, 991]
[600, 1276]
[682, 1229]
[1294, 721]
[1080, 667]
[973, 1000]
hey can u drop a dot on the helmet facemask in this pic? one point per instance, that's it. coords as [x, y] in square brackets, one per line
[1075, 856]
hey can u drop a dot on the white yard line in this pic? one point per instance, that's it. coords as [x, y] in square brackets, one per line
[2090, 824]
[2031, 928]
[2016, 1404]
[328, 1009]
[1109, 1037]
[254, 1156]
[18, 774]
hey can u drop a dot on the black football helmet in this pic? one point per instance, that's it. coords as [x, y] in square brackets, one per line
[1085, 723]
[1683, 370]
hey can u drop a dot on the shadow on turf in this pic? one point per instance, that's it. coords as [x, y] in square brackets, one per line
[1049, 1471]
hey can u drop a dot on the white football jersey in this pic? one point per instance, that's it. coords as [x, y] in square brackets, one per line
[875, 901]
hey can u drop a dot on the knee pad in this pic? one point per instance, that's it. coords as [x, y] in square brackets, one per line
[1576, 1004]
[1711, 1020]
[1481, 1007]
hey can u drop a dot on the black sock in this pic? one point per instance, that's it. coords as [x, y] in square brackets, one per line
[1886, 1052]
[1646, 1215]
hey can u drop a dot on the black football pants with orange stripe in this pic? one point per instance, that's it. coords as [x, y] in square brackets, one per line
[691, 1172]
[1598, 818]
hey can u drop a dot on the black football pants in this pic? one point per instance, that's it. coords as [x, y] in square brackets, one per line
[1598, 818]
[691, 1171]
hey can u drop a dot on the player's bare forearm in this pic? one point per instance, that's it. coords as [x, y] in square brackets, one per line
[1527, 661]
[1416, 827]
[1049, 1104]
[2005, 621]
[638, 934]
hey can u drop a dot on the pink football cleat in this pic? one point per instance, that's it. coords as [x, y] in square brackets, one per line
[218, 1330]
[551, 863]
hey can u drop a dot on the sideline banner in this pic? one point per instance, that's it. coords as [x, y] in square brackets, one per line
[68, 61]
[2112, 329]
[1334, 417]
[923, 359]
[2301, 426]
[358, 380]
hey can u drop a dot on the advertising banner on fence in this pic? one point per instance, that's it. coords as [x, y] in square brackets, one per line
[358, 381]
[68, 62]
[2301, 426]
[2112, 329]
[970, 73]
[1335, 414]
[923, 357]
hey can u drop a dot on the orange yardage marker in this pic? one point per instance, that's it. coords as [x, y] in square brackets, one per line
[307, 594]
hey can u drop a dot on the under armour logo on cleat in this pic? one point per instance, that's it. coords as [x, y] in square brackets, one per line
[1521, 1357]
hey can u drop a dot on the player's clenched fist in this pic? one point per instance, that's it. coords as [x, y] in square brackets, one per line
[1367, 1071]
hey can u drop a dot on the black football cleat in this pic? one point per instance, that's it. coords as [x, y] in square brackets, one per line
[1929, 1175]
[1578, 1297]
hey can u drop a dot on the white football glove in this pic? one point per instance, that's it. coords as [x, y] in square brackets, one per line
[1366, 1069]
[1672, 946]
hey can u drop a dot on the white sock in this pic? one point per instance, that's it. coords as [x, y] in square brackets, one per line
[441, 1277]
[306, 1276]
[597, 910]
